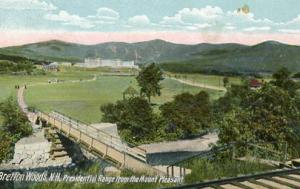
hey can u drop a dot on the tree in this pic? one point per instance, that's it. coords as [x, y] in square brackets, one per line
[15, 121]
[5, 146]
[233, 97]
[187, 114]
[225, 81]
[282, 78]
[15, 126]
[134, 117]
[266, 115]
[130, 92]
[149, 81]
[296, 75]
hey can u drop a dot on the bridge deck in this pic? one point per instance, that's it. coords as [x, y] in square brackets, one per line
[108, 146]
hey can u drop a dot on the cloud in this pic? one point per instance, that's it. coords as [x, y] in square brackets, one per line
[103, 15]
[169, 20]
[107, 14]
[295, 20]
[194, 15]
[70, 19]
[290, 31]
[230, 27]
[197, 26]
[252, 29]
[213, 18]
[139, 20]
[26, 5]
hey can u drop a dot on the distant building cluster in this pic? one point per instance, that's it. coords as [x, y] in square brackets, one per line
[115, 63]
[54, 66]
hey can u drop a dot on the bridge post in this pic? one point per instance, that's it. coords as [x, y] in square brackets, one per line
[172, 171]
[79, 139]
[168, 171]
[124, 159]
[285, 151]
[69, 130]
[180, 171]
[106, 149]
[91, 145]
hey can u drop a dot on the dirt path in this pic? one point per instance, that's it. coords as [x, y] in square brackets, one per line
[201, 85]
[21, 99]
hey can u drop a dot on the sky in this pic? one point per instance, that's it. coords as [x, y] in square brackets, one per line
[179, 21]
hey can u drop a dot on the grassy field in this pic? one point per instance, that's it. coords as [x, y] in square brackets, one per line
[8, 82]
[82, 100]
[212, 80]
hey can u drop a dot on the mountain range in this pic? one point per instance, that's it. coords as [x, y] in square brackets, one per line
[230, 57]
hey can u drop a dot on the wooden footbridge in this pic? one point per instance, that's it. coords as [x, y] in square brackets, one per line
[103, 144]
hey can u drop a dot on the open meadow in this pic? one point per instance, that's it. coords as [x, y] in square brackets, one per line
[82, 100]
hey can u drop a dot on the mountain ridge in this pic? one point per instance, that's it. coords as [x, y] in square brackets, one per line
[264, 56]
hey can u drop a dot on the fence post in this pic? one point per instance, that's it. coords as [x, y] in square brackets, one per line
[168, 171]
[69, 130]
[172, 171]
[91, 145]
[79, 139]
[180, 171]
[285, 151]
[124, 159]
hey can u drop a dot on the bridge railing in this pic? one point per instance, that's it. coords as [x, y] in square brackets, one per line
[105, 135]
[106, 138]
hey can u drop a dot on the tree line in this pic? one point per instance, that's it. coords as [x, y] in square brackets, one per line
[8, 67]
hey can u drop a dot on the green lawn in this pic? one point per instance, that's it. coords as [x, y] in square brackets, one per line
[213, 80]
[8, 82]
[83, 100]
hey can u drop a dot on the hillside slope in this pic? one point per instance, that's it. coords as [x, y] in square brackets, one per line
[264, 57]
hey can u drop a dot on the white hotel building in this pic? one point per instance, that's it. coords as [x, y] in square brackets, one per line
[97, 62]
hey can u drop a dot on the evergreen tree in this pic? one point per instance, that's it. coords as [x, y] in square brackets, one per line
[149, 81]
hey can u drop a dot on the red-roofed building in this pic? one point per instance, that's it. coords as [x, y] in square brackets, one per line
[254, 83]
